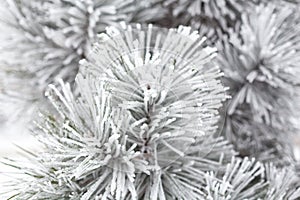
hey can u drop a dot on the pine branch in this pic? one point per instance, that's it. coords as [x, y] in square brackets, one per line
[260, 66]
[141, 125]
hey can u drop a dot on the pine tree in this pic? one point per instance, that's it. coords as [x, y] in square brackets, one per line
[144, 117]
[143, 126]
